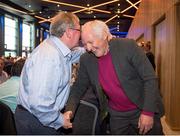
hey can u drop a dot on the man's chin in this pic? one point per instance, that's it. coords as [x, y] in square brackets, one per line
[98, 55]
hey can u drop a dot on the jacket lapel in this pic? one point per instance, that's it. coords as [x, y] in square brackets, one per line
[115, 60]
[100, 93]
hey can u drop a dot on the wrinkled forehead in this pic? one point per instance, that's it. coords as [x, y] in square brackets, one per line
[86, 29]
[87, 34]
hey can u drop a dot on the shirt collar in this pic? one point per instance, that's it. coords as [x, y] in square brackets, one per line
[60, 45]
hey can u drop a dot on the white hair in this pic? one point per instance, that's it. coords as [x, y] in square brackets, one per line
[99, 28]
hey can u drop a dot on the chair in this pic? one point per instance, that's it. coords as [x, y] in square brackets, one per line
[7, 123]
[85, 119]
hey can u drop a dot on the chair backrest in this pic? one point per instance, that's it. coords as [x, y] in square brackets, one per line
[85, 119]
[7, 123]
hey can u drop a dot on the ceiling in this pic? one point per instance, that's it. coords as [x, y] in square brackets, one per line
[118, 14]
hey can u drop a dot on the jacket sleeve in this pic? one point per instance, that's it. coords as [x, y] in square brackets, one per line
[79, 87]
[146, 72]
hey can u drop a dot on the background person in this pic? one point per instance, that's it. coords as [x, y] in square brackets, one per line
[9, 89]
[149, 54]
[3, 75]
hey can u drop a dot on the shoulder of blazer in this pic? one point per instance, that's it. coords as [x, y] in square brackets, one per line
[87, 56]
[121, 42]
[122, 46]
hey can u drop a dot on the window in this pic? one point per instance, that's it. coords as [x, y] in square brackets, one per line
[27, 39]
[11, 30]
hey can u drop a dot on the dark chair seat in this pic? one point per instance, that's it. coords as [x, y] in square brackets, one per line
[7, 123]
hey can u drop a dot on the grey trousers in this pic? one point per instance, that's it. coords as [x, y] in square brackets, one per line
[126, 123]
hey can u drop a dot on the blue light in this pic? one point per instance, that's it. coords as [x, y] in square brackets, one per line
[114, 31]
[2, 21]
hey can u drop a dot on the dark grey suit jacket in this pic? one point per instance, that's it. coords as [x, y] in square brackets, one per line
[135, 74]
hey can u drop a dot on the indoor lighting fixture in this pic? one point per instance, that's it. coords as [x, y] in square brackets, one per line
[13, 9]
[128, 16]
[132, 4]
[111, 18]
[82, 7]
[130, 7]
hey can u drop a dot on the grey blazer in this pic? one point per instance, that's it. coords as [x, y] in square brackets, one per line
[134, 71]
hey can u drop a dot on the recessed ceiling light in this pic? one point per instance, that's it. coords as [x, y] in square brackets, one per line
[118, 11]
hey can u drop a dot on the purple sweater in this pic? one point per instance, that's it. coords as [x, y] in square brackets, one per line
[117, 99]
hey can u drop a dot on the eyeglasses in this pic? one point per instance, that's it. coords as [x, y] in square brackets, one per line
[76, 29]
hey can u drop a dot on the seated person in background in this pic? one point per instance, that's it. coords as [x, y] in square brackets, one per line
[75, 67]
[3, 75]
[8, 63]
[17, 67]
[9, 89]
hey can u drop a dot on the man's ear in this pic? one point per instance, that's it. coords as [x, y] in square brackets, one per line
[104, 36]
[68, 33]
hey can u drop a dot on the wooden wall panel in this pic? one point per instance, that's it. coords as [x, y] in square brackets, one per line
[148, 12]
[148, 16]
[175, 94]
[160, 48]
[170, 40]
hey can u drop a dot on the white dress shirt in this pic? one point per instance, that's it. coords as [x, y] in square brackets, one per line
[45, 81]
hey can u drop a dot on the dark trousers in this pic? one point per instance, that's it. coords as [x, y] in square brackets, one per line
[126, 123]
[28, 124]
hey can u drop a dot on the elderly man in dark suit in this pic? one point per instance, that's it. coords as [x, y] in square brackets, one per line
[124, 81]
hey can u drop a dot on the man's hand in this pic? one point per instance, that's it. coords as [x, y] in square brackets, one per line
[67, 117]
[145, 123]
